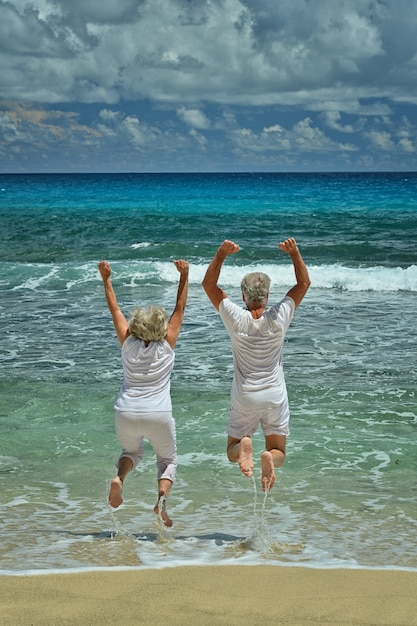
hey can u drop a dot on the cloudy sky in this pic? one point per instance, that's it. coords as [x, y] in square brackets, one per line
[208, 85]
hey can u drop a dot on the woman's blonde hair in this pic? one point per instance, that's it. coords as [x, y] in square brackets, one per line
[255, 287]
[149, 323]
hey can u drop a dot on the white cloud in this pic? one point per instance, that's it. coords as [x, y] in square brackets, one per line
[332, 119]
[194, 118]
[276, 128]
[303, 138]
[406, 144]
[381, 139]
[132, 128]
[200, 139]
[109, 116]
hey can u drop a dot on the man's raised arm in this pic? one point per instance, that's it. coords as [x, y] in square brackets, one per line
[210, 280]
[299, 290]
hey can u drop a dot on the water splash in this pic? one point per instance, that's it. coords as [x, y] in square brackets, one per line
[260, 539]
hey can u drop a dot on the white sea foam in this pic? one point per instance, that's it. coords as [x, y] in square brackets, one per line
[142, 244]
[34, 282]
[339, 277]
[330, 277]
[333, 277]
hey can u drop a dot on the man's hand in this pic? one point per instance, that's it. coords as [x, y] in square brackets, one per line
[289, 246]
[229, 247]
[104, 269]
[182, 266]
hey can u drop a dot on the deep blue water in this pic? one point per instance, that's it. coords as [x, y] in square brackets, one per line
[353, 218]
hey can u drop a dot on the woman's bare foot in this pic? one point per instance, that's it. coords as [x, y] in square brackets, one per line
[161, 510]
[245, 457]
[268, 471]
[115, 494]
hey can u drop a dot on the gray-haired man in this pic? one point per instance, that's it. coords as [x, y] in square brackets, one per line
[258, 394]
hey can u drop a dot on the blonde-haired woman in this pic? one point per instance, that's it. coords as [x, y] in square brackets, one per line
[143, 406]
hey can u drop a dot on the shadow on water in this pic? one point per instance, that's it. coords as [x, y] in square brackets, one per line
[260, 542]
[218, 538]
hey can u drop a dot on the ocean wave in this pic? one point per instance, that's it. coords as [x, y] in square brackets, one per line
[377, 279]
[334, 277]
[143, 244]
[66, 277]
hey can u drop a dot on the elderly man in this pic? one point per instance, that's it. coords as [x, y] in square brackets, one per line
[258, 394]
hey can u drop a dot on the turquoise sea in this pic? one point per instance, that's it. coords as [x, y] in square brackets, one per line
[347, 494]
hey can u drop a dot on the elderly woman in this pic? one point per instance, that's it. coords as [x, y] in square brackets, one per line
[259, 394]
[143, 407]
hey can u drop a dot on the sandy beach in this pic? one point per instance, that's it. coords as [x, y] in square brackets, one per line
[249, 595]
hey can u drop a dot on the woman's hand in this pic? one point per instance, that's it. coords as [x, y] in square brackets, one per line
[182, 266]
[104, 269]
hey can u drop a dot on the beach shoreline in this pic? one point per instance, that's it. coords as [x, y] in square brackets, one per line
[203, 595]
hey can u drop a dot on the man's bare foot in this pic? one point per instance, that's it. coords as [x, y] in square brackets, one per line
[268, 471]
[161, 510]
[115, 494]
[245, 457]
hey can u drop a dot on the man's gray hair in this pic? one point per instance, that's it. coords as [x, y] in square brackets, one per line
[149, 324]
[255, 287]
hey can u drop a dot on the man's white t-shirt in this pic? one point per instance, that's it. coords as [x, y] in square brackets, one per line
[258, 381]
